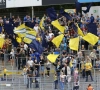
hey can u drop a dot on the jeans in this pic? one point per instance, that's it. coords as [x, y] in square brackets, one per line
[56, 83]
[36, 82]
[25, 79]
[72, 70]
[29, 82]
[61, 85]
[87, 74]
[76, 88]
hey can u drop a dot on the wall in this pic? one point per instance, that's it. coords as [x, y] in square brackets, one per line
[95, 10]
[22, 3]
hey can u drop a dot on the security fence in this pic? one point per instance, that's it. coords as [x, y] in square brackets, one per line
[37, 83]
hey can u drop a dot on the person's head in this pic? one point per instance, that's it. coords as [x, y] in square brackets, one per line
[61, 73]
[12, 16]
[35, 60]
[76, 69]
[4, 16]
[30, 58]
[72, 58]
[94, 50]
[58, 62]
[89, 85]
[41, 57]
[82, 46]
[91, 14]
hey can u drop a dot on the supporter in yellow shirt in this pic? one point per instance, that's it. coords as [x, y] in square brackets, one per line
[5, 72]
[88, 68]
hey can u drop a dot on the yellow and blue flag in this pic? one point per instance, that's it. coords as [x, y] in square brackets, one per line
[91, 38]
[57, 40]
[52, 57]
[20, 29]
[58, 26]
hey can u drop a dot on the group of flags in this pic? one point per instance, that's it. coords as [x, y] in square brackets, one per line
[73, 42]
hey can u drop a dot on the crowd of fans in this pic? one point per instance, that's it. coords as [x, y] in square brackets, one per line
[68, 64]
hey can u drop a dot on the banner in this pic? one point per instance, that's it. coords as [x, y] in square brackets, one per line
[55, 2]
[22, 3]
[2, 3]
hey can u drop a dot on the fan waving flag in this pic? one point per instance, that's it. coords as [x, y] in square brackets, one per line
[52, 58]
[58, 26]
[74, 43]
[91, 38]
[57, 40]
[51, 13]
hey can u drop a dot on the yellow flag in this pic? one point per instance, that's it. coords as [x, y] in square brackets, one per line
[58, 26]
[52, 57]
[1, 42]
[57, 40]
[91, 38]
[27, 40]
[19, 40]
[41, 23]
[74, 43]
[80, 31]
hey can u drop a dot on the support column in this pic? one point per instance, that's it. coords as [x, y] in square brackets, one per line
[32, 12]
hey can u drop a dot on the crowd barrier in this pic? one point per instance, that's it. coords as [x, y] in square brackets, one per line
[30, 83]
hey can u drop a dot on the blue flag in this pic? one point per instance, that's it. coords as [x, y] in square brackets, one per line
[92, 28]
[36, 46]
[74, 27]
[88, 8]
[62, 12]
[78, 6]
[8, 27]
[44, 42]
[51, 13]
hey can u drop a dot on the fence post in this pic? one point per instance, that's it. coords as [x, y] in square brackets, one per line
[10, 15]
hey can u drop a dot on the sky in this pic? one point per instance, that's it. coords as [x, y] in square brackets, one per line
[84, 1]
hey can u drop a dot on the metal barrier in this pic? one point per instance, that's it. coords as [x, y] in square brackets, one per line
[23, 83]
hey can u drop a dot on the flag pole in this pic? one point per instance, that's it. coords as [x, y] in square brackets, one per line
[32, 12]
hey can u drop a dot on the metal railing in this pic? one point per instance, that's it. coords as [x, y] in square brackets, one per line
[37, 83]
